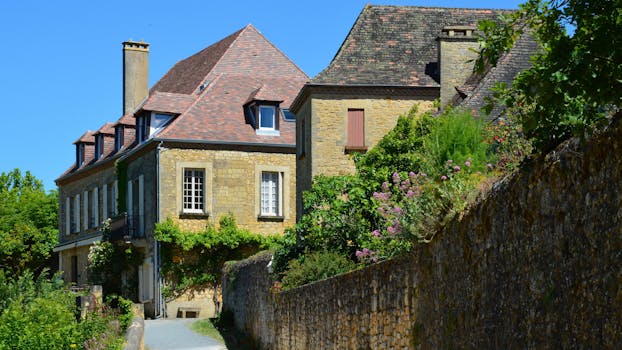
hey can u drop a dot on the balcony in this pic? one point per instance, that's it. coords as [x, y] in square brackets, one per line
[126, 227]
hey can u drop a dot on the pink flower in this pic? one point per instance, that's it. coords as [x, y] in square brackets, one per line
[457, 168]
[397, 210]
[396, 178]
[467, 163]
[359, 254]
[410, 194]
[391, 230]
[443, 178]
[412, 174]
[489, 166]
[385, 186]
[376, 233]
[449, 161]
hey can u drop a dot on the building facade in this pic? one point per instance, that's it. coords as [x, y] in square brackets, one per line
[213, 136]
[393, 58]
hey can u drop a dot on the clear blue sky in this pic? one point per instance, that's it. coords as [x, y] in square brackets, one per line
[60, 61]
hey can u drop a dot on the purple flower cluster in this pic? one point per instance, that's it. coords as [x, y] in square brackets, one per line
[366, 253]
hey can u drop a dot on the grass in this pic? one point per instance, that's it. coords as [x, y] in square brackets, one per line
[206, 327]
[222, 330]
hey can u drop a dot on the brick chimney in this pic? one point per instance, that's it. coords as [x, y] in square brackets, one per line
[456, 46]
[135, 74]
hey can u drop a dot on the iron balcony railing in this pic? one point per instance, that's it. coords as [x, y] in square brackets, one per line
[127, 227]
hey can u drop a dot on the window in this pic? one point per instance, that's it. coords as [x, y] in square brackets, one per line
[288, 116]
[118, 137]
[158, 122]
[93, 210]
[271, 189]
[136, 206]
[75, 214]
[140, 129]
[99, 146]
[109, 200]
[79, 154]
[356, 130]
[193, 191]
[267, 116]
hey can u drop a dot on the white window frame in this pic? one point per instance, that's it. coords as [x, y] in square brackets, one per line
[155, 127]
[190, 201]
[283, 192]
[267, 131]
[271, 194]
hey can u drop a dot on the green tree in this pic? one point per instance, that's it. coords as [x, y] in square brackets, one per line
[573, 87]
[28, 222]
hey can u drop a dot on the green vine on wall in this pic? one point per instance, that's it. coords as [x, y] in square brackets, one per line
[193, 261]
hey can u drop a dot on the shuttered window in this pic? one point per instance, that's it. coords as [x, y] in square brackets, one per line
[356, 129]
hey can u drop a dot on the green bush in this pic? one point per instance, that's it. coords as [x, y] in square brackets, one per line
[316, 266]
[36, 313]
[457, 136]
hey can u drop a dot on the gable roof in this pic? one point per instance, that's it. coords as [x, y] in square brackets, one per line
[474, 93]
[187, 74]
[396, 45]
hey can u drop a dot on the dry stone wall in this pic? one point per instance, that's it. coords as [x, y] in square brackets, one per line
[537, 264]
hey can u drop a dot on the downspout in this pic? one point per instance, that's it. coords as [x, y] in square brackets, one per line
[156, 244]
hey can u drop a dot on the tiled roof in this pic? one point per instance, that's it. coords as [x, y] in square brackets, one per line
[396, 45]
[168, 102]
[126, 119]
[107, 129]
[218, 116]
[186, 75]
[87, 137]
[477, 88]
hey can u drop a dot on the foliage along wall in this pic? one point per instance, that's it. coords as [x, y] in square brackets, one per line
[536, 264]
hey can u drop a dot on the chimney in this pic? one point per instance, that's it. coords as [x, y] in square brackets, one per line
[457, 53]
[135, 74]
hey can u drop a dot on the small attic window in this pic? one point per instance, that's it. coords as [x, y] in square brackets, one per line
[99, 146]
[79, 154]
[158, 122]
[263, 116]
[288, 116]
[118, 137]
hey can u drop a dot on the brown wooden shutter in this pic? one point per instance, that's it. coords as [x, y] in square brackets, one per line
[356, 128]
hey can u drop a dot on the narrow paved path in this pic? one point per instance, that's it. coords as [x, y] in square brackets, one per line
[175, 334]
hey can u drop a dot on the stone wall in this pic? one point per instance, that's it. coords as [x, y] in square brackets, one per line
[324, 118]
[536, 264]
[232, 186]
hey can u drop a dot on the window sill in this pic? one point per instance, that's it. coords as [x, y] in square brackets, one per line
[270, 218]
[183, 215]
[267, 132]
[354, 149]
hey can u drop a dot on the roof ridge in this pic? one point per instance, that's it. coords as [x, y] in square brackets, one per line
[250, 25]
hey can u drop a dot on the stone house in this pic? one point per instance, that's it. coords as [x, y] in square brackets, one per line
[213, 136]
[393, 58]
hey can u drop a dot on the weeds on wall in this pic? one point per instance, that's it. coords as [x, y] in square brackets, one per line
[420, 175]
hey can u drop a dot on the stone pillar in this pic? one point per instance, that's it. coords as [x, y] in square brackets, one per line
[135, 74]
[457, 51]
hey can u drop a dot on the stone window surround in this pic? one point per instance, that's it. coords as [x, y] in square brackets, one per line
[284, 196]
[207, 187]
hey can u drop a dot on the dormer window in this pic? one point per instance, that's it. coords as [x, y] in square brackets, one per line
[267, 118]
[262, 115]
[148, 125]
[99, 146]
[158, 122]
[79, 154]
[118, 137]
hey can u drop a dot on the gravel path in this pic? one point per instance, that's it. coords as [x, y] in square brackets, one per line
[175, 334]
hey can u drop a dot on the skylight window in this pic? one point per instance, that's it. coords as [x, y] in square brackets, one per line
[288, 116]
